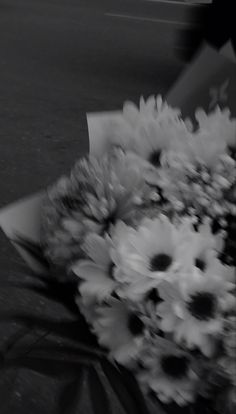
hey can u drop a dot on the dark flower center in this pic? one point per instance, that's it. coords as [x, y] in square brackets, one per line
[232, 151]
[108, 221]
[228, 256]
[111, 270]
[160, 262]
[153, 296]
[200, 264]
[155, 157]
[202, 306]
[175, 366]
[135, 324]
[71, 203]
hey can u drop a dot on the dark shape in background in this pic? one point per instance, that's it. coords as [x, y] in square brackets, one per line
[215, 25]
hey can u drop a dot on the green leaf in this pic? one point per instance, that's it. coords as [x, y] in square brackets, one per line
[98, 393]
[126, 388]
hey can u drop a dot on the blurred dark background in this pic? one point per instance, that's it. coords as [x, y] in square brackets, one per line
[216, 25]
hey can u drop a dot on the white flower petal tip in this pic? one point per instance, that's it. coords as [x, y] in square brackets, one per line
[114, 318]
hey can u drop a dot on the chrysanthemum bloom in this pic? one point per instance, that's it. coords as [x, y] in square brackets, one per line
[120, 329]
[152, 253]
[111, 190]
[96, 272]
[193, 310]
[169, 372]
[98, 193]
[60, 231]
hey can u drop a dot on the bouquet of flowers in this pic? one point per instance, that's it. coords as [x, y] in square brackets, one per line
[148, 231]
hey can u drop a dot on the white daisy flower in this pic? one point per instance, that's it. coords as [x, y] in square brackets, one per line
[153, 252]
[169, 372]
[218, 120]
[150, 131]
[96, 272]
[193, 309]
[120, 329]
[216, 131]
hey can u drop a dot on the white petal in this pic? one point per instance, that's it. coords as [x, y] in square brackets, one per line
[98, 249]
[100, 288]
[168, 324]
[89, 271]
[130, 113]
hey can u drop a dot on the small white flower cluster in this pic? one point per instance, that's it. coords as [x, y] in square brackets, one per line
[138, 229]
[198, 190]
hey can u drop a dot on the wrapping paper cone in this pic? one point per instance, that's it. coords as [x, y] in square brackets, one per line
[228, 51]
[98, 138]
[23, 219]
[209, 81]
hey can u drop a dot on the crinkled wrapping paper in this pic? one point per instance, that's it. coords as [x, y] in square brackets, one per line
[209, 81]
[51, 363]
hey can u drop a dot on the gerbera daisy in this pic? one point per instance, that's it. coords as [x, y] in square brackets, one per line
[193, 310]
[96, 272]
[153, 252]
[169, 371]
[120, 329]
